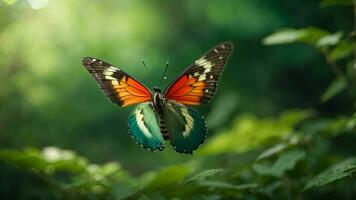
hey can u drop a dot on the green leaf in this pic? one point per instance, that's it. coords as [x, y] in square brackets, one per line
[166, 177]
[249, 132]
[329, 40]
[283, 37]
[122, 191]
[346, 168]
[28, 159]
[326, 3]
[308, 35]
[336, 86]
[285, 162]
[224, 185]
[10, 1]
[272, 151]
[341, 51]
[340, 125]
[205, 174]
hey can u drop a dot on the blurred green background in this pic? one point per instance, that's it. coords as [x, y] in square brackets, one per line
[47, 98]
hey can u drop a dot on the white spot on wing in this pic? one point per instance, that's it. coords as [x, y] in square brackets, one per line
[201, 61]
[189, 122]
[110, 78]
[202, 77]
[141, 125]
[207, 65]
[109, 71]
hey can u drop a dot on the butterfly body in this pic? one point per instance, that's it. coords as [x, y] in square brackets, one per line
[161, 116]
[158, 99]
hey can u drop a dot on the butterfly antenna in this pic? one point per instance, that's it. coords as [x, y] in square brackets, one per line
[144, 64]
[164, 74]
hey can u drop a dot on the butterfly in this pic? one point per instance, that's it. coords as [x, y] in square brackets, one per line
[161, 116]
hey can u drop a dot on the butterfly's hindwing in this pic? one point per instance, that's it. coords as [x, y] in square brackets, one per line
[186, 127]
[118, 86]
[198, 82]
[144, 127]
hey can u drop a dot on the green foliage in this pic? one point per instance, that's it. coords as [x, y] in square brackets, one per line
[249, 133]
[325, 3]
[10, 1]
[342, 50]
[310, 35]
[282, 124]
[205, 174]
[285, 162]
[344, 169]
[333, 46]
[336, 86]
[167, 177]
[222, 185]
[83, 178]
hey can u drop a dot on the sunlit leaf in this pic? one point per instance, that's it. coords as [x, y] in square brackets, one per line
[167, 176]
[336, 86]
[329, 40]
[308, 35]
[272, 151]
[83, 177]
[224, 185]
[249, 132]
[285, 162]
[341, 51]
[326, 3]
[344, 169]
[28, 159]
[284, 37]
[38, 4]
[205, 174]
[10, 1]
[110, 168]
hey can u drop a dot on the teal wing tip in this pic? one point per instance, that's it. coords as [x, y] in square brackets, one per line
[201, 142]
[185, 151]
[191, 151]
[158, 148]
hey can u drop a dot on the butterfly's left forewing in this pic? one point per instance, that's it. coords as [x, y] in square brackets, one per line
[117, 85]
[198, 82]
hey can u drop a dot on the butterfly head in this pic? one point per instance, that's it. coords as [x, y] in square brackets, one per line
[157, 98]
[157, 89]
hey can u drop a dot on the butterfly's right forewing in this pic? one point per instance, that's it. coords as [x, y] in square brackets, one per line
[199, 81]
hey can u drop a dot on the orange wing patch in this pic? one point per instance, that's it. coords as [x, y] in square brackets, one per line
[118, 86]
[129, 91]
[187, 90]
